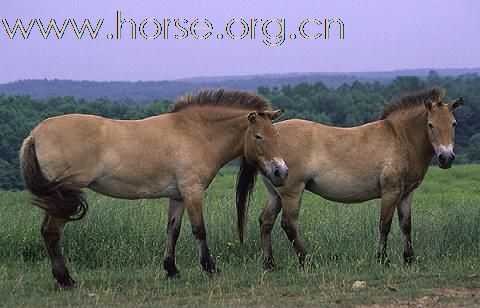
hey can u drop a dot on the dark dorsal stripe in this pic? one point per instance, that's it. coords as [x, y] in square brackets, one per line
[413, 100]
[222, 98]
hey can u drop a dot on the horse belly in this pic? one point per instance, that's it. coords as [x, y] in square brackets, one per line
[119, 188]
[345, 188]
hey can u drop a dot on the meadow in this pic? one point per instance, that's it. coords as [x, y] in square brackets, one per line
[115, 253]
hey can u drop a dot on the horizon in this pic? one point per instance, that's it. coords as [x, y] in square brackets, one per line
[235, 77]
[371, 36]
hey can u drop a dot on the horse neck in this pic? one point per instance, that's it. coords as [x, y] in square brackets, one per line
[411, 128]
[224, 131]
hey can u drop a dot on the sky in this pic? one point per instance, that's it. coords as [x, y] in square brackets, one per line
[378, 36]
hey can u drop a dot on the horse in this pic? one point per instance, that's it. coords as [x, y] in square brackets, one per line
[386, 159]
[174, 155]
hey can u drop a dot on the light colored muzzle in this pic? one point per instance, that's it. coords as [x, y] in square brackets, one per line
[445, 156]
[277, 172]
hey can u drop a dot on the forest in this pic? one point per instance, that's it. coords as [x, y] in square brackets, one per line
[144, 92]
[345, 105]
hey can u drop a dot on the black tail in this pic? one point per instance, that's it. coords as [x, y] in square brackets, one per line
[55, 197]
[245, 183]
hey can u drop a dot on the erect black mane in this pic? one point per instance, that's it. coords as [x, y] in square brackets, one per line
[408, 101]
[222, 98]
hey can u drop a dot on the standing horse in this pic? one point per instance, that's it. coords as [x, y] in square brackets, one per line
[174, 155]
[384, 159]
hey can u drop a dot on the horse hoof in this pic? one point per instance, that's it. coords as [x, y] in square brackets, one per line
[215, 272]
[384, 261]
[411, 260]
[270, 268]
[66, 284]
[268, 265]
[173, 276]
[306, 262]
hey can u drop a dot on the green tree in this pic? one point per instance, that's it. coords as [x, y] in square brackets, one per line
[473, 151]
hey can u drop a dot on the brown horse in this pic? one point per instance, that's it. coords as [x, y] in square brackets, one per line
[174, 155]
[384, 159]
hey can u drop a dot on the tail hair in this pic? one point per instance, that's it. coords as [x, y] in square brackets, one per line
[246, 178]
[57, 197]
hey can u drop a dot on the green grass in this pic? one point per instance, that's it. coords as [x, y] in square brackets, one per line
[115, 253]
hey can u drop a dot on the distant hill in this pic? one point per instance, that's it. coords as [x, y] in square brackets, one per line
[142, 92]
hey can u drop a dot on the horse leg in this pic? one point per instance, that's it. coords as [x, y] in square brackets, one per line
[267, 220]
[389, 201]
[290, 210]
[175, 214]
[194, 204]
[52, 229]
[405, 221]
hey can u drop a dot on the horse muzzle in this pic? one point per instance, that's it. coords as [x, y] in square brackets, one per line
[445, 156]
[277, 172]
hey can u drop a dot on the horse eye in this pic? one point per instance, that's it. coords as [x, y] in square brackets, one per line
[258, 136]
[430, 125]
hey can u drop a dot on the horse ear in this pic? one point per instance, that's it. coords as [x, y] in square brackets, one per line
[252, 116]
[428, 104]
[456, 103]
[276, 114]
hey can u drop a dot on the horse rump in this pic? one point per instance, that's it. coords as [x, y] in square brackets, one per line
[57, 197]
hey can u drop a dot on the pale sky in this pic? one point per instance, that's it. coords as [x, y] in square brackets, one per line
[379, 36]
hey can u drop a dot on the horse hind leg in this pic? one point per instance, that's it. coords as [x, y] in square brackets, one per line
[62, 200]
[175, 214]
[52, 229]
[62, 203]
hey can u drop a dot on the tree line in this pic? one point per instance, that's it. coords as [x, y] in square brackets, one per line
[346, 105]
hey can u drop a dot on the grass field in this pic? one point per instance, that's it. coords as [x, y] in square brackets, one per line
[115, 253]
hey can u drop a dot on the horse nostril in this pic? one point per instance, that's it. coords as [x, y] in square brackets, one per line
[276, 173]
[453, 156]
[441, 157]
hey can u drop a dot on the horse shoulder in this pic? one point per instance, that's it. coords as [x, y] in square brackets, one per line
[298, 142]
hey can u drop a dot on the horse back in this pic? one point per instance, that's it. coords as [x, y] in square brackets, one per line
[120, 158]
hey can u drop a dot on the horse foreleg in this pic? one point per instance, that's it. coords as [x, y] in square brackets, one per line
[52, 229]
[405, 221]
[194, 205]
[389, 201]
[175, 214]
[290, 211]
[267, 220]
